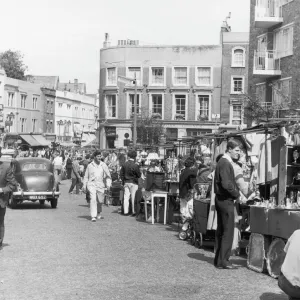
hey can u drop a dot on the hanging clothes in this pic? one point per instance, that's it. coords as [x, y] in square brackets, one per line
[212, 216]
[264, 174]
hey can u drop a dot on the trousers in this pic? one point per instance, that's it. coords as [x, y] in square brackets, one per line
[75, 182]
[2, 227]
[96, 201]
[130, 189]
[225, 231]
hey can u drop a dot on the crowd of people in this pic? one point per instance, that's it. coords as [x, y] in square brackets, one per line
[94, 172]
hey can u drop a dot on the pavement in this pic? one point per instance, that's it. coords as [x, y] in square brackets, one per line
[60, 254]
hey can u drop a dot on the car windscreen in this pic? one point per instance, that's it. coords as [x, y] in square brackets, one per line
[34, 166]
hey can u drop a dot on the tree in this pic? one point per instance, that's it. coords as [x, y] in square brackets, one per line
[258, 111]
[149, 128]
[12, 63]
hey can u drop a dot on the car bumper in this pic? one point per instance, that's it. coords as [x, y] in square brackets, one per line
[21, 194]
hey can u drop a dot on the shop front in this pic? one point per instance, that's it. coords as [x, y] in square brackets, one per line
[111, 136]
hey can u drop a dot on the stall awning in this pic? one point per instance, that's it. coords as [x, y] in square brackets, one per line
[91, 139]
[68, 144]
[41, 140]
[30, 140]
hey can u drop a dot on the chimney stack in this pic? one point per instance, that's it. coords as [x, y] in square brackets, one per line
[76, 85]
[106, 42]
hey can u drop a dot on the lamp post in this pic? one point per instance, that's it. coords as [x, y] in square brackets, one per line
[134, 106]
[59, 123]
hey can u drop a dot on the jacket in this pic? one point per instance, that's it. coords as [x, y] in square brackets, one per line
[186, 181]
[224, 183]
[130, 172]
[8, 183]
[75, 170]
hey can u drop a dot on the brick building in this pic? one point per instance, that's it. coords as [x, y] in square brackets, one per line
[180, 83]
[235, 50]
[274, 45]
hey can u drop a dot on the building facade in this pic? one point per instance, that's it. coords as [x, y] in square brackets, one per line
[274, 60]
[180, 84]
[23, 109]
[75, 117]
[234, 85]
[48, 101]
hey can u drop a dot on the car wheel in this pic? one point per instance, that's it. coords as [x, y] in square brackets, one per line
[54, 203]
[13, 203]
[42, 202]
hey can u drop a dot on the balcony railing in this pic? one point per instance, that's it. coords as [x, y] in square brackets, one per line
[268, 13]
[266, 64]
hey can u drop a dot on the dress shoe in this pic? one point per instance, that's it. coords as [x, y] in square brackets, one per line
[126, 214]
[133, 215]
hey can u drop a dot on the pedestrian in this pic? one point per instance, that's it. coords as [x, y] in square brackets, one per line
[75, 176]
[227, 192]
[130, 174]
[7, 185]
[97, 180]
[57, 166]
[69, 166]
[289, 278]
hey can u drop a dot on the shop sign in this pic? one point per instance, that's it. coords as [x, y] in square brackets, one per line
[8, 123]
[110, 131]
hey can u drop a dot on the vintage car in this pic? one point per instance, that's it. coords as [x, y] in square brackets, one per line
[35, 181]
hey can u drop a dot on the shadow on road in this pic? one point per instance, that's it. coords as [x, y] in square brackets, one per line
[202, 257]
[240, 262]
[29, 205]
[5, 245]
[273, 296]
[84, 217]
[83, 205]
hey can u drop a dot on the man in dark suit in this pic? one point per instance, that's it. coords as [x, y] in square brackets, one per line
[7, 185]
[226, 191]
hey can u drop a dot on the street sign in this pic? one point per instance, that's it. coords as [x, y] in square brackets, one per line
[125, 80]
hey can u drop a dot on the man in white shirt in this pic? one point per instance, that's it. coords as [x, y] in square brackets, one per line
[97, 180]
[57, 166]
[289, 279]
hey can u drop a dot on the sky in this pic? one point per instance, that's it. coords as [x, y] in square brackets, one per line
[63, 37]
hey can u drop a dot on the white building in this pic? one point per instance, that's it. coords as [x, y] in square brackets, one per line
[75, 117]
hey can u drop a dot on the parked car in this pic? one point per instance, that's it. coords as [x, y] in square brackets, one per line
[35, 181]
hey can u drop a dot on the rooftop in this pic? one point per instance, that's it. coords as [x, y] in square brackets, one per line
[50, 82]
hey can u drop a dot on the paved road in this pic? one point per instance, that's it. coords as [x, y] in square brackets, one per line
[60, 254]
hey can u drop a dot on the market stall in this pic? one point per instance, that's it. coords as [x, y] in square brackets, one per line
[273, 220]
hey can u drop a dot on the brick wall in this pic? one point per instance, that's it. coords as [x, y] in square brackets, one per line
[289, 65]
[227, 72]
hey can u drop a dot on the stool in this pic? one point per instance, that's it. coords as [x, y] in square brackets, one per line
[157, 194]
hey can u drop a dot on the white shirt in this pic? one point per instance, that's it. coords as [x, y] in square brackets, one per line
[57, 161]
[97, 176]
[291, 265]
